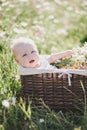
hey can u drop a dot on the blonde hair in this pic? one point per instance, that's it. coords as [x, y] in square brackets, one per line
[20, 41]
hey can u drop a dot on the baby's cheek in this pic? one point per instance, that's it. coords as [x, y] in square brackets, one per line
[24, 61]
[37, 57]
[33, 55]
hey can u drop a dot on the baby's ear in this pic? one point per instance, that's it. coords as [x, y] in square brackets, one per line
[16, 61]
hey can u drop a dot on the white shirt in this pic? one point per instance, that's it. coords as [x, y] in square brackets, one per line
[44, 63]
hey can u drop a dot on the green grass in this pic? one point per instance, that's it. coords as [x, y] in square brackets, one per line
[54, 26]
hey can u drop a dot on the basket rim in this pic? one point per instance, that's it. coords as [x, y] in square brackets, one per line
[31, 71]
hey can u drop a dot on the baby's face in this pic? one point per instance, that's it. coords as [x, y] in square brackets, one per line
[27, 56]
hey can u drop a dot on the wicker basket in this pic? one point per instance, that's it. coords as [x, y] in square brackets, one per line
[55, 91]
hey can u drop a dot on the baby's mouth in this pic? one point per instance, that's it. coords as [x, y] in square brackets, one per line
[31, 61]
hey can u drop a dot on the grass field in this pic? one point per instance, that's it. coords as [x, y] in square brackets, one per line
[55, 25]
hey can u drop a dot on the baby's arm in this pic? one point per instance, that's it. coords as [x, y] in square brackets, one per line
[54, 57]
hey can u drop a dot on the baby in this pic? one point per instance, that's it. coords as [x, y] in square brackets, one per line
[27, 56]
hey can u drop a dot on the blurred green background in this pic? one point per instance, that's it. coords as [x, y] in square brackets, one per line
[55, 25]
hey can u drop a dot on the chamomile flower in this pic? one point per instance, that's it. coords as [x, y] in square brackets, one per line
[6, 103]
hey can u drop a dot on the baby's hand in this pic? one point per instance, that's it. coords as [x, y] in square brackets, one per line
[60, 55]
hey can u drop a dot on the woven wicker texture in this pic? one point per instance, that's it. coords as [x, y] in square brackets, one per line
[55, 91]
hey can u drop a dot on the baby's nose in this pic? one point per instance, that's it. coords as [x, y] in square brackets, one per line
[30, 56]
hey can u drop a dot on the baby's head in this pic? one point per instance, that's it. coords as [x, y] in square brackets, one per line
[25, 52]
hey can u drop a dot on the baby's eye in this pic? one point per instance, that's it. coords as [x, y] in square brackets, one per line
[24, 55]
[32, 52]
